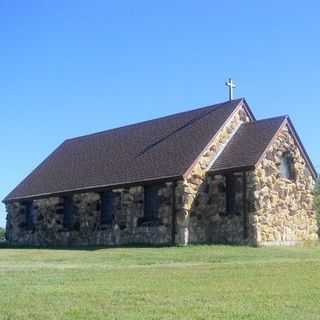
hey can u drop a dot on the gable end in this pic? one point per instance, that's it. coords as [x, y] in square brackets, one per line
[287, 122]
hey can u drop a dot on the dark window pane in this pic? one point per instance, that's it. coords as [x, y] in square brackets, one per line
[230, 193]
[284, 168]
[151, 202]
[98, 205]
[34, 215]
[287, 166]
[67, 212]
[29, 214]
[107, 199]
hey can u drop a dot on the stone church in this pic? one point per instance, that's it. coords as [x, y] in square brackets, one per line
[210, 175]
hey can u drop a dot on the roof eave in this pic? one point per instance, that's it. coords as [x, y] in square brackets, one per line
[231, 170]
[93, 189]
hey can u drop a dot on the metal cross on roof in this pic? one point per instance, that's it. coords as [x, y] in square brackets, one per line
[231, 84]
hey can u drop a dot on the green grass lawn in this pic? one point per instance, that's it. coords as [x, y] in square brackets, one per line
[197, 282]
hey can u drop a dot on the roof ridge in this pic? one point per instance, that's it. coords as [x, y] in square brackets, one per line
[215, 106]
[266, 119]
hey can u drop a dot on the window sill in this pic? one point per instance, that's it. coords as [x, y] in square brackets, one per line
[287, 180]
[67, 230]
[150, 224]
[30, 230]
[105, 227]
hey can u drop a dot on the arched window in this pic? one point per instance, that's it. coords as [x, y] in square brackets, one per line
[287, 166]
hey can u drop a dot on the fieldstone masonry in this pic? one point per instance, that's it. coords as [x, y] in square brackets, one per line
[284, 209]
[199, 192]
[274, 210]
[209, 221]
[86, 227]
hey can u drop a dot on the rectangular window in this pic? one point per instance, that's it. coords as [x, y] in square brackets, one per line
[287, 166]
[151, 203]
[67, 212]
[109, 202]
[230, 194]
[28, 209]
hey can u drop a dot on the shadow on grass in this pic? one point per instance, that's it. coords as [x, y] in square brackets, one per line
[5, 245]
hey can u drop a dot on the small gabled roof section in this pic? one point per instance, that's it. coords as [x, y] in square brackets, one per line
[163, 148]
[247, 147]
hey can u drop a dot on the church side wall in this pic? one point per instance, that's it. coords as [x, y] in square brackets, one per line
[285, 211]
[199, 217]
[86, 228]
[209, 221]
[192, 195]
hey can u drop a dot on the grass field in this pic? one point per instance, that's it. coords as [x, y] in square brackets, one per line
[197, 282]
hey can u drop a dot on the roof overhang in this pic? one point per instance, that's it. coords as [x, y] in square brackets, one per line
[231, 170]
[96, 189]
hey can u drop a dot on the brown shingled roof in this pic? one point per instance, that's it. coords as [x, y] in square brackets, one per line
[151, 150]
[248, 144]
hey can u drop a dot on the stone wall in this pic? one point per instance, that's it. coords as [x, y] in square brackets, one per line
[190, 191]
[209, 220]
[86, 228]
[284, 208]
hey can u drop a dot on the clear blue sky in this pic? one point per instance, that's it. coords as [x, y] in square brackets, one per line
[69, 68]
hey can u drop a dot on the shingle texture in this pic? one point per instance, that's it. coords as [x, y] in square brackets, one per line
[160, 148]
[248, 144]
